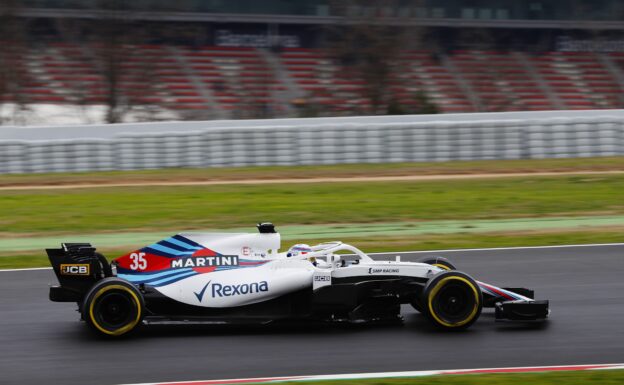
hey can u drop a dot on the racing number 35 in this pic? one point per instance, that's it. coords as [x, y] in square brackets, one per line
[138, 261]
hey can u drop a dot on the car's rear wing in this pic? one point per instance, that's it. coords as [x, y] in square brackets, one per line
[77, 266]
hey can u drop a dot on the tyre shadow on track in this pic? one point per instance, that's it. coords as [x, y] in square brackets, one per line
[294, 329]
[413, 323]
[304, 329]
[486, 323]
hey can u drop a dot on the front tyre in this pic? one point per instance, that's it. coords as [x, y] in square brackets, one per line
[436, 261]
[113, 307]
[452, 300]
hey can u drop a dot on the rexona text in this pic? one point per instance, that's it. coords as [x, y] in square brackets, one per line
[221, 260]
[219, 290]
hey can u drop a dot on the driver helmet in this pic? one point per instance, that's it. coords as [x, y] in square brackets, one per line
[300, 248]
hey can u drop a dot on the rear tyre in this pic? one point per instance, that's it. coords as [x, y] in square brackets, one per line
[113, 307]
[440, 262]
[452, 300]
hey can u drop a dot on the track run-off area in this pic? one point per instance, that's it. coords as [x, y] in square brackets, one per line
[385, 376]
[44, 342]
[382, 178]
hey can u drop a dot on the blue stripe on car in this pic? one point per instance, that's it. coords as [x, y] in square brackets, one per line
[184, 245]
[169, 250]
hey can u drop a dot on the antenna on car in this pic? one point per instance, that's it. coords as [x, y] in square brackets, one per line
[266, 228]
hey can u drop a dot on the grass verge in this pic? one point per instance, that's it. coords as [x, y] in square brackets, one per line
[71, 211]
[173, 209]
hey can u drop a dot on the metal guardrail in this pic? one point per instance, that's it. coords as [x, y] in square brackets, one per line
[323, 143]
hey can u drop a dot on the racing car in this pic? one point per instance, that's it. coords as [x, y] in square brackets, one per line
[233, 278]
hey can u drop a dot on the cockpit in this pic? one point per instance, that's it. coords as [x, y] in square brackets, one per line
[328, 255]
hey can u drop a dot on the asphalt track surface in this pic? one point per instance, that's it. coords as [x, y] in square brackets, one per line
[43, 342]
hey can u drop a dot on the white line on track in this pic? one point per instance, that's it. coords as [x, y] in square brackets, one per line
[27, 269]
[615, 366]
[421, 373]
[426, 252]
[499, 248]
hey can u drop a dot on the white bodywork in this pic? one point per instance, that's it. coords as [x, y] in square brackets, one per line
[255, 271]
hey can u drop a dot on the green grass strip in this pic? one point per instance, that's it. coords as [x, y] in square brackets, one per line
[158, 209]
[37, 258]
[329, 231]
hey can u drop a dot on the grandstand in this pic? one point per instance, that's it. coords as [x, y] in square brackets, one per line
[281, 63]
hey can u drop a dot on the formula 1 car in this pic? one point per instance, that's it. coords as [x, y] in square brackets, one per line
[242, 278]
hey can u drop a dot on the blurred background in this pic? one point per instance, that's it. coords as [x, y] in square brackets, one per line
[392, 125]
[391, 113]
[109, 61]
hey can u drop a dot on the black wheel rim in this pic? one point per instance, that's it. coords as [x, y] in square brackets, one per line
[454, 302]
[114, 310]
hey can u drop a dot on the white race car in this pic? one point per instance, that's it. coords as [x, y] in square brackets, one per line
[242, 278]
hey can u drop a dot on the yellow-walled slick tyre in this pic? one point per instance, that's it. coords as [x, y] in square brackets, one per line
[452, 300]
[113, 307]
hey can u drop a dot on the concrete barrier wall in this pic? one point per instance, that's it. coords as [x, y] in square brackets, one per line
[322, 143]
